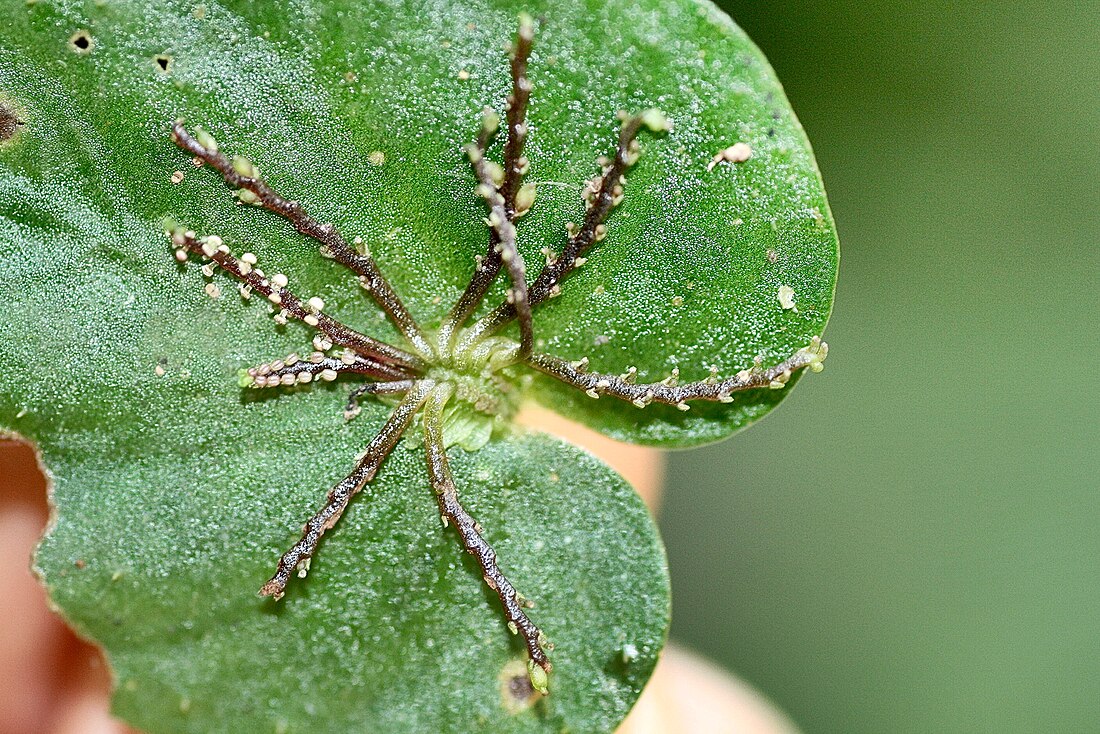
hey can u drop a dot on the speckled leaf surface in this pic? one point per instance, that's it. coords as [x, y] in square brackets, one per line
[392, 630]
[176, 491]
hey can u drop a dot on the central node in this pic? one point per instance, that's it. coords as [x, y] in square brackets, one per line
[482, 392]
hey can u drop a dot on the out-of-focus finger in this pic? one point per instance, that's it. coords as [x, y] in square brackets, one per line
[28, 634]
[688, 695]
[84, 683]
[86, 714]
[51, 680]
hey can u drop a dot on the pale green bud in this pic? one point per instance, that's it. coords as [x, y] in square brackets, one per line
[656, 120]
[206, 140]
[244, 167]
[490, 120]
[539, 679]
[526, 26]
[525, 197]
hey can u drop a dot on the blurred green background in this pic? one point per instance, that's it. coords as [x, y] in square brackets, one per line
[911, 543]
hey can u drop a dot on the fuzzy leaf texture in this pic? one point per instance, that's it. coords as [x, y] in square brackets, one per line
[175, 489]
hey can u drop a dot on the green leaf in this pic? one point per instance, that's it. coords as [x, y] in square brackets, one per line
[176, 490]
[686, 278]
[391, 631]
[682, 280]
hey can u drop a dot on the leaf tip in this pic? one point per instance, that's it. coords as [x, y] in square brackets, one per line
[273, 589]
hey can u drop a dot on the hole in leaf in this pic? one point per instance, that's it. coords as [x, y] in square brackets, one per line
[81, 42]
[163, 62]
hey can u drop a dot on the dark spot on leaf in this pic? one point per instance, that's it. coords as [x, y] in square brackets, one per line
[163, 62]
[516, 692]
[9, 123]
[519, 686]
[81, 42]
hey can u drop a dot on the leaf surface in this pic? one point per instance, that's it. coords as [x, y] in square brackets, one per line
[392, 630]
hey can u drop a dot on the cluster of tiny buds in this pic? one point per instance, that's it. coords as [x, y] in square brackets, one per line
[817, 351]
[315, 305]
[246, 264]
[656, 121]
[525, 197]
[781, 381]
[572, 230]
[633, 153]
[274, 374]
[211, 245]
[811, 357]
[591, 191]
[245, 168]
